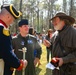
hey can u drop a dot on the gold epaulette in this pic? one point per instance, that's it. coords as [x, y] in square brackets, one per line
[6, 31]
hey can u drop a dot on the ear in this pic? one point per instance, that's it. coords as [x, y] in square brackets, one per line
[19, 28]
[8, 16]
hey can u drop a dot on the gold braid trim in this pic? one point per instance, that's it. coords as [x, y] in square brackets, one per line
[14, 13]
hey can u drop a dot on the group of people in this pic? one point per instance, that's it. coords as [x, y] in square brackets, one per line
[62, 44]
[12, 50]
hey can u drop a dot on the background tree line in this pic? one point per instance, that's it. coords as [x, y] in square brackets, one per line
[38, 12]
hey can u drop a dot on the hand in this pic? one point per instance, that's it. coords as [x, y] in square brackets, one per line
[36, 61]
[60, 61]
[46, 43]
[24, 63]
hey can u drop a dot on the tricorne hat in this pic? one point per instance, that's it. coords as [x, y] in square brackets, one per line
[23, 22]
[11, 9]
[61, 14]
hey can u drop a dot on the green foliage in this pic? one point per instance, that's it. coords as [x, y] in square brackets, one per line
[38, 12]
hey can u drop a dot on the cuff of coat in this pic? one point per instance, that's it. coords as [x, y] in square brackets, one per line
[21, 66]
[65, 60]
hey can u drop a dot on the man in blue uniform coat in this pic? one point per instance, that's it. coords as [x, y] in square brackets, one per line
[10, 61]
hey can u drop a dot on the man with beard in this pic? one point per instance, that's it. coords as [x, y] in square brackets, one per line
[63, 44]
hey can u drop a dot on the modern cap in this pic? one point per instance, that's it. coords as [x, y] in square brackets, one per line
[11, 9]
[61, 14]
[23, 22]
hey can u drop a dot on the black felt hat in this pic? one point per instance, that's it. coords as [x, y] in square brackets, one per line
[11, 9]
[23, 22]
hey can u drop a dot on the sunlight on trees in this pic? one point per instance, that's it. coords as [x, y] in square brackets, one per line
[38, 12]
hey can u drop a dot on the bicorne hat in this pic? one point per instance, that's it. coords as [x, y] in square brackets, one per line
[12, 10]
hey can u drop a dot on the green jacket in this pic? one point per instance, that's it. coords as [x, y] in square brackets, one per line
[31, 44]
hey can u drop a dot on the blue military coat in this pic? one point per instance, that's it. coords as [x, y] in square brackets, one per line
[6, 52]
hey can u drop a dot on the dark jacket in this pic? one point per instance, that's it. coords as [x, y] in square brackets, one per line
[48, 38]
[6, 53]
[64, 46]
[31, 44]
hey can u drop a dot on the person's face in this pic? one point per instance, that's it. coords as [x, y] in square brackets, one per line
[57, 23]
[10, 19]
[49, 32]
[24, 29]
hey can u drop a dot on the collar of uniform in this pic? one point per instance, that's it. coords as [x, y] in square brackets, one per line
[19, 35]
[3, 23]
